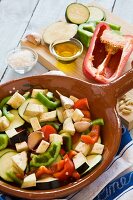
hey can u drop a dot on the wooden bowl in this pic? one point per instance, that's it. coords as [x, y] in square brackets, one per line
[102, 100]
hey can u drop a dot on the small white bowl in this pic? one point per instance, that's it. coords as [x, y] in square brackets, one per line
[28, 65]
[70, 58]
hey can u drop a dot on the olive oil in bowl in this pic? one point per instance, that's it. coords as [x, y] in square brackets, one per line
[67, 50]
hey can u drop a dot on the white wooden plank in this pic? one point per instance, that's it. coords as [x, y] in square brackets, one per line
[124, 9]
[14, 16]
[105, 3]
[47, 12]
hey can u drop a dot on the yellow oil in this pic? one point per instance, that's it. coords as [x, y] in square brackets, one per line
[66, 49]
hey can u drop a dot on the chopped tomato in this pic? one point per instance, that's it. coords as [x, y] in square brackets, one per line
[72, 153]
[86, 113]
[62, 152]
[47, 130]
[76, 175]
[82, 104]
[20, 176]
[67, 171]
[93, 135]
[75, 138]
[43, 170]
[58, 166]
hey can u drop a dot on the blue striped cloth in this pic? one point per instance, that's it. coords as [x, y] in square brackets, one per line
[112, 184]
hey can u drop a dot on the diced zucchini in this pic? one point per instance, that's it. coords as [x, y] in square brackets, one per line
[33, 109]
[48, 116]
[6, 165]
[22, 108]
[17, 121]
[16, 100]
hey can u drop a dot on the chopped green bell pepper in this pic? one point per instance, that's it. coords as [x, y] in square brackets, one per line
[7, 113]
[48, 157]
[47, 102]
[67, 141]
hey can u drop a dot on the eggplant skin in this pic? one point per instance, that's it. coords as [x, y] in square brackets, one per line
[48, 185]
[20, 137]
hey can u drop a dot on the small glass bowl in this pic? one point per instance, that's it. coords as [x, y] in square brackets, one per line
[69, 58]
[22, 69]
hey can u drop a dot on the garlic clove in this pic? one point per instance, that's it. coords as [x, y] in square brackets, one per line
[81, 126]
[34, 38]
[65, 101]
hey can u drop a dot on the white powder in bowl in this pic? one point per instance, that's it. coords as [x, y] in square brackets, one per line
[21, 58]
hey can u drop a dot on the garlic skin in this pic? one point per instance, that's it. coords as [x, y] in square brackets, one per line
[34, 38]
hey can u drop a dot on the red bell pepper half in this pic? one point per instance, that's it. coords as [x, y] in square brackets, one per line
[107, 55]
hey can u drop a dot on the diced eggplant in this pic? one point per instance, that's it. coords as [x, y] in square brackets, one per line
[47, 183]
[80, 163]
[92, 161]
[20, 137]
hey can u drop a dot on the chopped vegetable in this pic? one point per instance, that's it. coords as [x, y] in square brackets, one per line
[52, 137]
[47, 130]
[67, 170]
[48, 157]
[96, 14]
[82, 104]
[59, 31]
[107, 55]
[77, 13]
[66, 102]
[3, 141]
[48, 103]
[93, 135]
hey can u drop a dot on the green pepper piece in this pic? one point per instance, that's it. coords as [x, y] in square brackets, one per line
[99, 121]
[48, 157]
[67, 141]
[7, 113]
[115, 27]
[3, 141]
[4, 101]
[85, 33]
[14, 178]
[48, 103]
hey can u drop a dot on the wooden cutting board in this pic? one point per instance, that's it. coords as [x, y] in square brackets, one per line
[74, 69]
